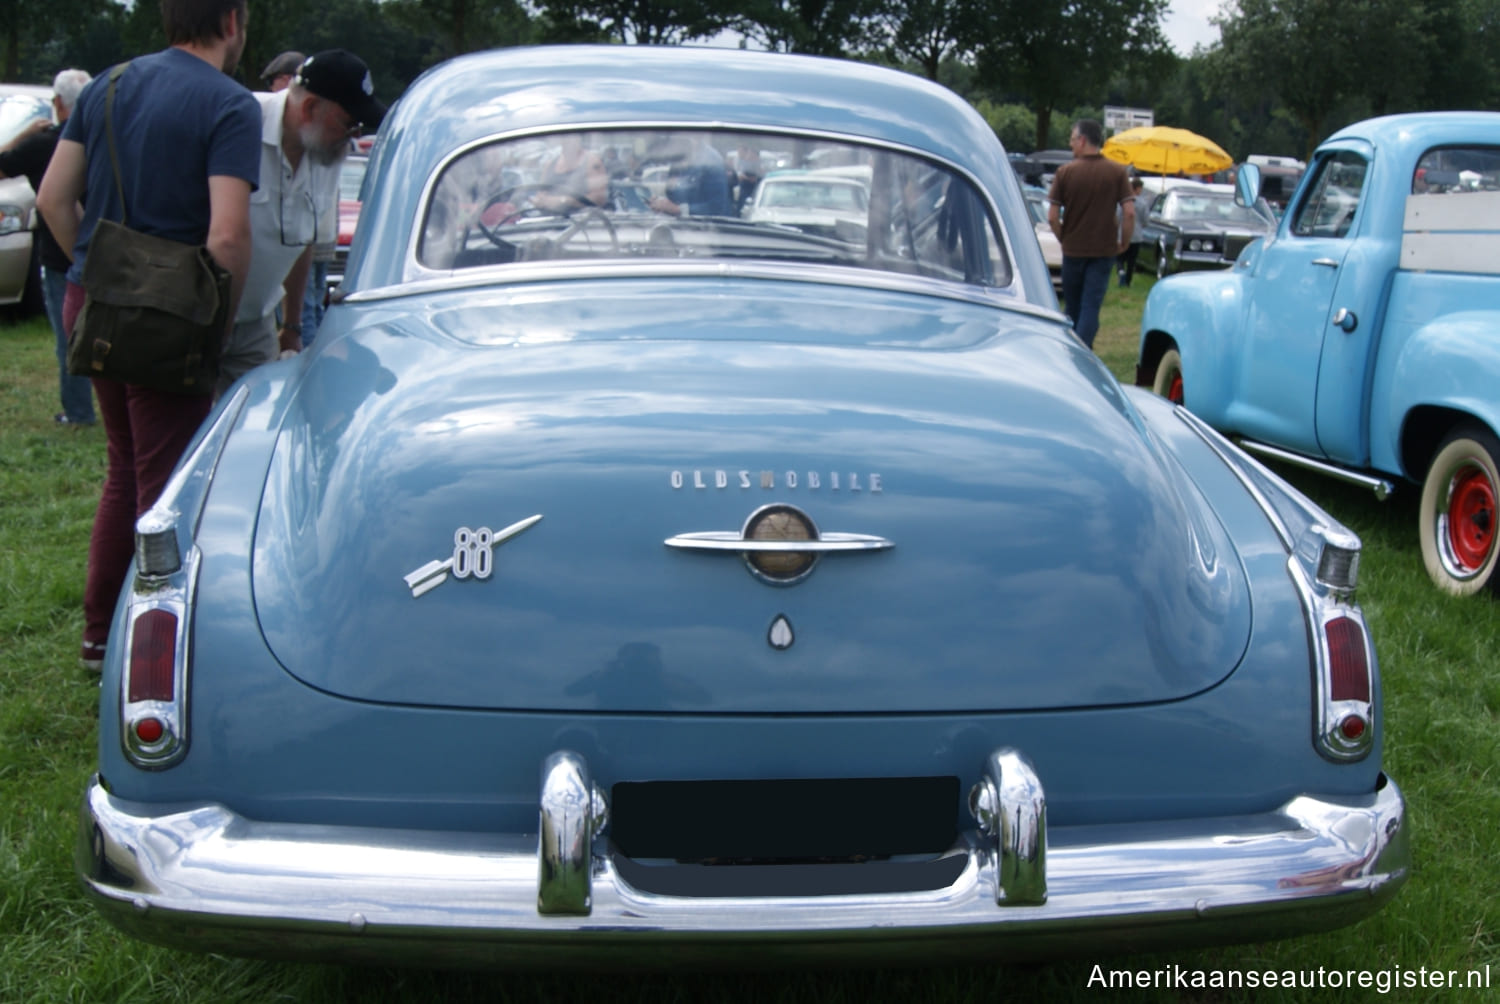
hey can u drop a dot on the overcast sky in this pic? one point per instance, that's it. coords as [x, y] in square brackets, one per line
[1187, 24]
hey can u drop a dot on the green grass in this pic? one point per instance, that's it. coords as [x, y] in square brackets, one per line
[1442, 692]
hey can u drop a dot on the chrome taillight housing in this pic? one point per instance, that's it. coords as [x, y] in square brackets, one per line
[1326, 567]
[154, 677]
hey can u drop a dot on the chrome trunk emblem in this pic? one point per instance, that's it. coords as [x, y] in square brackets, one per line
[780, 543]
[473, 556]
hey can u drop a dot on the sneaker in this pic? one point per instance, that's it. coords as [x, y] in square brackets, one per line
[92, 656]
[61, 418]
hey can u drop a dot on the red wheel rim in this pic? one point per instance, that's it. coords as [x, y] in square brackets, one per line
[1471, 518]
[1174, 390]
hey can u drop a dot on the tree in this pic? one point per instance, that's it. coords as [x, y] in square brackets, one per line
[925, 32]
[816, 27]
[27, 26]
[644, 22]
[1061, 55]
[1326, 62]
[462, 25]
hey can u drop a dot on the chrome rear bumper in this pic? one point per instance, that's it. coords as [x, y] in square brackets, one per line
[203, 877]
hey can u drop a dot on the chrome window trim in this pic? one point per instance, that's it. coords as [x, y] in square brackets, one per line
[415, 272]
[520, 274]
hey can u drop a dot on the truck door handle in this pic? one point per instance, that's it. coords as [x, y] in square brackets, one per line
[1329, 262]
[1345, 319]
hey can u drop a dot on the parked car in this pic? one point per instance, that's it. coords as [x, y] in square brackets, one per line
[615, 588]
[814, 202]
[1036, 203]
[1040, 166]
[1195, 227]
[1358, 339]
[1279, 177]
[20, 271]
[351, 179]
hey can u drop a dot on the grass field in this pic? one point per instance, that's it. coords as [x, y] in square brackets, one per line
[1442, 689]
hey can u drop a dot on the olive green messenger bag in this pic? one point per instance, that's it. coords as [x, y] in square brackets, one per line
[155, 310]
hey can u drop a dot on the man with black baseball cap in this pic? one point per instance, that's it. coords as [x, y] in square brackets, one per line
[344, 79]
[305, 135]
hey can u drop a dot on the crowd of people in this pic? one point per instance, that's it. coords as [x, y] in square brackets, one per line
[170, 145]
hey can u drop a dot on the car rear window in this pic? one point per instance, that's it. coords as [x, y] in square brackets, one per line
[709, 195]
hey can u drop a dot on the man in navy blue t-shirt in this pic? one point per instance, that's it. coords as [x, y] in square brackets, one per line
[188, 139]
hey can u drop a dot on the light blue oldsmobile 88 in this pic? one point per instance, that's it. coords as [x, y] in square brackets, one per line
[622, 581]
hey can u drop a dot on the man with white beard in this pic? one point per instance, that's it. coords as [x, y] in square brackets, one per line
[305, 134]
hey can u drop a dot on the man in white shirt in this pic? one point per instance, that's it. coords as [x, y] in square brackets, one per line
[305, 134]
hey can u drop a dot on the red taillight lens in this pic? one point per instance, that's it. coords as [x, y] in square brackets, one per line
[1349, 670]
[149, 730]
[1352, 727]
[153, 651]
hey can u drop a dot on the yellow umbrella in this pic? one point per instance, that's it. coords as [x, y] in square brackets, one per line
[1165, 150]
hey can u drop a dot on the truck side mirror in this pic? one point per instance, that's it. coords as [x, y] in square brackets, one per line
[1247, 185]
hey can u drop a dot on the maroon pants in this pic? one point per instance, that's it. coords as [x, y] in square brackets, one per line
[146, 432]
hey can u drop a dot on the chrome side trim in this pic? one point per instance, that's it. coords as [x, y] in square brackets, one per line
[1382, 487]
[731, 540]
[201, 876]
[1323, 565]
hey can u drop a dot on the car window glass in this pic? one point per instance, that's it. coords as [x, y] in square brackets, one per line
[17, 110]
[700, 195]
[1451, 170]
[1331, 201]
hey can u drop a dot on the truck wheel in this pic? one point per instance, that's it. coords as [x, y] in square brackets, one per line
[1168, 382]
[1161, 260]
[1457, 517]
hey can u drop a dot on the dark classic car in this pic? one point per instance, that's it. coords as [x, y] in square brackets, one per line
[1192, 227]
[629, 587]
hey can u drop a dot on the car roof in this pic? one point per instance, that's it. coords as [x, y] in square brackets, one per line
[1418, 131]
[480, 96]
[32, 90]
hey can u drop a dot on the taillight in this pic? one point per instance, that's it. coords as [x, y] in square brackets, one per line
[153, 676]
[1349, 670]
[153, 656]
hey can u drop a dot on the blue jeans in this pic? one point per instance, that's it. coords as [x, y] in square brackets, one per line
[76, 392]
[1084, 281]
[312, 301]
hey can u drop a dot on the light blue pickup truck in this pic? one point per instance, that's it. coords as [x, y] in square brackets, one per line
[1362, 338]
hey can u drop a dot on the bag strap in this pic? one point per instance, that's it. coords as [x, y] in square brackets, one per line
[109, 130]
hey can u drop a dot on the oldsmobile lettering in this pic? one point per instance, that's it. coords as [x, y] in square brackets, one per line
[831, 481]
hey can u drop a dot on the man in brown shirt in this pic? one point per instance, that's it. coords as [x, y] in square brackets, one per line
[1086, 193]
